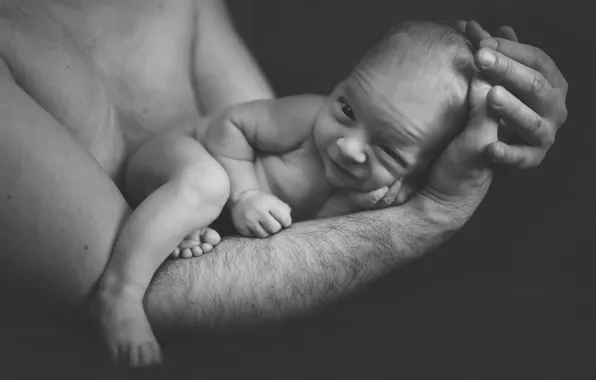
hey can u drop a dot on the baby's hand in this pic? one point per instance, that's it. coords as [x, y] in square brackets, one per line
[259, 214]
[367, 201]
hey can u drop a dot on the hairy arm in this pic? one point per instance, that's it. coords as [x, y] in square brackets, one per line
[316, 262]
[225, 71]
[313, 263]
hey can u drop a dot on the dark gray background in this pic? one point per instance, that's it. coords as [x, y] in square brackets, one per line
[511, 296]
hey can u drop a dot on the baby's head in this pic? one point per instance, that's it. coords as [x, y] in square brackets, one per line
[398, 109]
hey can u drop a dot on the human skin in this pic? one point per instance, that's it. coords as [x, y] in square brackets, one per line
[92, 102]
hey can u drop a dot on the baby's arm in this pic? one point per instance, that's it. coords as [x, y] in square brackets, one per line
[262, 127]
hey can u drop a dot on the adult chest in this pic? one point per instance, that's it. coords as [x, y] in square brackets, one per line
[113, 76]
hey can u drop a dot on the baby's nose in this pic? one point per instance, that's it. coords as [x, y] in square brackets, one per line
[352, 149]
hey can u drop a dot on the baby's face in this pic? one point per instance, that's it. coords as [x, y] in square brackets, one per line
[379, 125]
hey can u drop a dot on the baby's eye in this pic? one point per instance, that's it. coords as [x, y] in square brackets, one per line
[345, 108]
[389, 152]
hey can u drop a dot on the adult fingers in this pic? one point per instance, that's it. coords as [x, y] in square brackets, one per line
[475, 33]
[460, 25]
[506, 32]
[520, 156]
[526, 83]
[529, 56]
[521, 118]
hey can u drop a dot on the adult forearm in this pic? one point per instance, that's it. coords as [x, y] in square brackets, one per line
[225, 71]
[247, 281]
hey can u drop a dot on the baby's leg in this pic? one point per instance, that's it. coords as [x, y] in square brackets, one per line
[192, 190]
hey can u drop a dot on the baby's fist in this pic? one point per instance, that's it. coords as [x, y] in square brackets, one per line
[259, 214]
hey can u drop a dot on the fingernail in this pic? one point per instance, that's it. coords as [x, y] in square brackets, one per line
[486, 58]
[489, 43]
[497, 97]
[498, 101]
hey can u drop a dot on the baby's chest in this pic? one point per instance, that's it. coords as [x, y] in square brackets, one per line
[298, 181]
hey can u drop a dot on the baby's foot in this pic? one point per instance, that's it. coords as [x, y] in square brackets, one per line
[201, 241]
[125, 328]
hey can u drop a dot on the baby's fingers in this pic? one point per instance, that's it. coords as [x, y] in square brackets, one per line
[270, 224]
[282, 215]
[367, 200]
[257, 230]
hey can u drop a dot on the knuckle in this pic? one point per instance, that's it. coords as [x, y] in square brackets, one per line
[565, 85]
[536, 126]
[542, 59]
[507, 65]
[537, 85]
[505, 46]
[550, 140]
[520, 160]
[562, 114]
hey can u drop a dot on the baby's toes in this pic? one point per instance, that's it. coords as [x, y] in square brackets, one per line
[186, 253]
[211, 237]
[196, 235]
[149, 354]
[196, 251]
[175, 253]
[206, 247]
[186, 243]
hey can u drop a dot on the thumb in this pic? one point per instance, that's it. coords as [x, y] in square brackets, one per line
[461, 168]
[482, 128]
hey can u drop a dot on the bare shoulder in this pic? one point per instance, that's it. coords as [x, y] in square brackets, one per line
[304, 106]
[310, 101]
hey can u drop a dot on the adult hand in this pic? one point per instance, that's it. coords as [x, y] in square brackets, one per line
[462, 172]
[462, 169]
[527, 97]
[528, 94]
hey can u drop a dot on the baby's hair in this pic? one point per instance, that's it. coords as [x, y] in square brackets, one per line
[432, 46]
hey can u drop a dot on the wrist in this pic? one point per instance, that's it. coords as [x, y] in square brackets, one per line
[240, 196]
[447, 212]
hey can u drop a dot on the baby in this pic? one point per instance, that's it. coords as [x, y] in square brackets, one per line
[286, 160]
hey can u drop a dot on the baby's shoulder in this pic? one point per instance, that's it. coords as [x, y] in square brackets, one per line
[304, 106]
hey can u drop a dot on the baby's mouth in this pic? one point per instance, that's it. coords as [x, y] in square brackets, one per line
[342, 171]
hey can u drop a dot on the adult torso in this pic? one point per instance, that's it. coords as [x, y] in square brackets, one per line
[113, 73]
